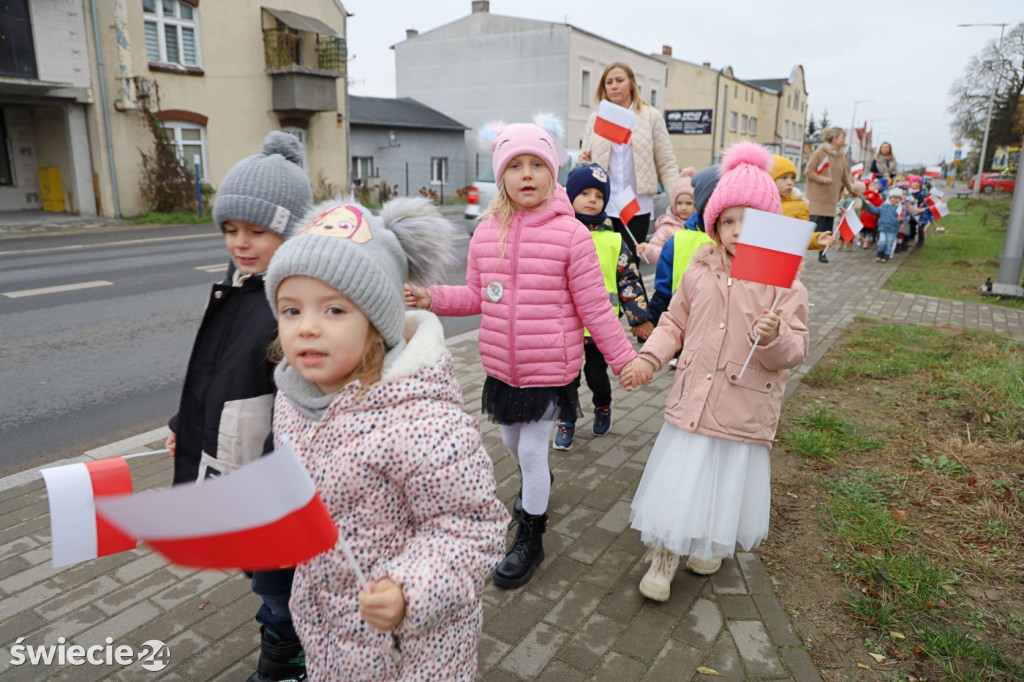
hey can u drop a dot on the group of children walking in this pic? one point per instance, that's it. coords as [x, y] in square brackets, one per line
[364, 389]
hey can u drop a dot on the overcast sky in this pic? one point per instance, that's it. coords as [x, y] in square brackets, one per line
[903, 55]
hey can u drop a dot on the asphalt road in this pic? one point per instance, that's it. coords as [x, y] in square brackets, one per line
[96, 330]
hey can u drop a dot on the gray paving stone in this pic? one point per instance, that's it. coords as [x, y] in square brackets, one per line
[575, 606]
[218, 656]
[724, 659]
[28, 575]
[146, 562]
[190, 588]
[490, 652]
[729, 580]
[532, 654]
[591, 545]
[618, 668]
[591, 644]
[801, 665]
[685, 588]
[577, 521]
[738, 607]
[68, 626]
[616, 519]
[754, 573]
[701, 625]
[17, 546]
[614, 564]
[138, 590]
[645, 635]
[512, 623]
[776, 621]
[622, 601]
[677, 662]
[31, 597]
[561, 672]
[120, 625]
[84, 594]
[755, 647]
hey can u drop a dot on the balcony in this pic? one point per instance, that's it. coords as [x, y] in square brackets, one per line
[304, 57]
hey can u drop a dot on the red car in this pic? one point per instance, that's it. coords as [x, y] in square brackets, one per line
[994, 182]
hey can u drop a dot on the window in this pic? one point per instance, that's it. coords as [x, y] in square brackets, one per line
[753, 125]
[732, 121]
[6, 173]
[362, 167]
[796, 100]
[189, 141]
[786, 129]
[438, 170]
[743, 124]
[300, 135]
[585, 93]
[172, 32]
[17, 51]
[654, 97]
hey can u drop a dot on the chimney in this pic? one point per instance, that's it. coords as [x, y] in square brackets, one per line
[481, 6]
[707, 64]
[411, 33]
[666, 50]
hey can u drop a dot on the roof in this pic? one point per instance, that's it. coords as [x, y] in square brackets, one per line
[769, 83]
[404, 112]
[300, 22]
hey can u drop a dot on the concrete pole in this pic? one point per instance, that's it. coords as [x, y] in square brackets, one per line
[1008, 283]
[988, 118]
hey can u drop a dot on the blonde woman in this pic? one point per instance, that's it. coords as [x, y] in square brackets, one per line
[825, 187]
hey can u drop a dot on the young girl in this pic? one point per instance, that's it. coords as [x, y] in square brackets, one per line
[534, 277]
[368, 399]
[680, 208]
[705, 488]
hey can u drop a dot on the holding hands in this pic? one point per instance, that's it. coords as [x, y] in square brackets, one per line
[642, 331]
[638, 372]
[417, 297]
[383, 607]
[767, 325]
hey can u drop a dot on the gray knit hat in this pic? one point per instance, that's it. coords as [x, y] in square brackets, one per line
[369, 258]
[269, 189]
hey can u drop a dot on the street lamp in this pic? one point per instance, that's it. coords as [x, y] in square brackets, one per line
[872, 128]
[853, 122]
[991, 101]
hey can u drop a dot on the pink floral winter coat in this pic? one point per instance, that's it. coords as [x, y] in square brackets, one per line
[711, 316]
[536, 297]
[405, 476]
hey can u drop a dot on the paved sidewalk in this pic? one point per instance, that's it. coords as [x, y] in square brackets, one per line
[580, 618]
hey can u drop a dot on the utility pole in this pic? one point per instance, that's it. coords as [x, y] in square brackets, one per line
[991, 102]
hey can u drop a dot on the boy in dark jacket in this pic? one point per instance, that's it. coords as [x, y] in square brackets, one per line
[224, 417]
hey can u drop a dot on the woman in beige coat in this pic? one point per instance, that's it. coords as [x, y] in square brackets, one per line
[641, 162]
[824, 188]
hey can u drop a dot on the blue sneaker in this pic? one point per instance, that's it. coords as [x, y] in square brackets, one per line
[563, 435]
[602, 420]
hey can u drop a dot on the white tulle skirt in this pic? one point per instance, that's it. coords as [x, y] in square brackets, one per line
[702, 496]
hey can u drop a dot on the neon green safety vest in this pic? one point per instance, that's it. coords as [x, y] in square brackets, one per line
[683, 250]
[609, 245]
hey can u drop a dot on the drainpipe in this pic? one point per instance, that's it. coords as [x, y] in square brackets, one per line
[106, 111]
[124, 58]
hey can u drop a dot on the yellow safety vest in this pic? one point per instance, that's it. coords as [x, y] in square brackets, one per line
[683, 250]
[609, 245]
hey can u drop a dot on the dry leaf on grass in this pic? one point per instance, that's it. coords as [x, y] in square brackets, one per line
[708, 671]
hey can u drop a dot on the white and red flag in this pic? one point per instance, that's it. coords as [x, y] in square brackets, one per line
[625, 204]
[855, 170]
[934, 195]
[77, 532]
[938, 209]
[264, 516]
[614, 123]
[869, 178]
[850, 225]
[933, 172]
[771, 248]
[823, 166]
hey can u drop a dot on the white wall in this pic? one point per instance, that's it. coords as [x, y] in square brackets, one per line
[58, 30]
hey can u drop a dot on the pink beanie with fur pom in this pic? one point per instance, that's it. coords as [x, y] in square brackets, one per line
[683, 186]
[745, 182]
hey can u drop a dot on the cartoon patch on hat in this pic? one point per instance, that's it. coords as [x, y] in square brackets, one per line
[343, 222]
[599, 173]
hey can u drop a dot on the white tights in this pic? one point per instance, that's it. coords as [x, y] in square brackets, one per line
[528, 445]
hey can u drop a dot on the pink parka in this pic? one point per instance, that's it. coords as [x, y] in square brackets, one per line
[536, 297]
[711, 316]
[405, 476]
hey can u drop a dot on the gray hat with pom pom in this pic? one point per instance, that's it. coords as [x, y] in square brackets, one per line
[369, 258]
[269, 189]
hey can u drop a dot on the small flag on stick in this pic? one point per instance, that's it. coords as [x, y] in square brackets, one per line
[933, 172]
[856, 170]
[614, 123]
[625, 204]
[850, 225]
[823, 166]
[938, 209]
[771, 248]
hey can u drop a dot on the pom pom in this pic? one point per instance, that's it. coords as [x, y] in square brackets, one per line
[426, 237]
[687, 172]
[746, 153]
[488, 133]
[286, 145]
[550, 123]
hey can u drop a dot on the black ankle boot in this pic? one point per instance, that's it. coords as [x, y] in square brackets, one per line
[822, 258]
[517, 506]
[527, 551]
[281, 660]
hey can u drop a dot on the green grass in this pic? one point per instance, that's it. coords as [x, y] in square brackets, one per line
[955, 263]
[173, 218]
[823, 434]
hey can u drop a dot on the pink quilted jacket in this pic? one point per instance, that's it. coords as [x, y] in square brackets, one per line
[535, 299]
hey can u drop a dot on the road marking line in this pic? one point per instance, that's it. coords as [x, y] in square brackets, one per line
[124, 242]
[219, 267]
[58, 289]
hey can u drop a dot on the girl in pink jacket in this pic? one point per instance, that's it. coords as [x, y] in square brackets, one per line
[533, 276]
[705, 489]
[368, 398]
[680, 208]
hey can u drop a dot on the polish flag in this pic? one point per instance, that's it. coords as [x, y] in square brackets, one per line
[850, 225]
[823, 166]
[77, 532]
[935, 194]
[771, 248]
[938, 209]
[264, 516]
[869, 178]
[625, 204]
[614, 123]
[933, 172]
[856, 170]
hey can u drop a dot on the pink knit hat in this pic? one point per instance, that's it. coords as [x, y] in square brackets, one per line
[745, 182]
[523, 138]
[682, 186]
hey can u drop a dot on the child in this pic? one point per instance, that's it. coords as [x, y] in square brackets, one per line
[920, 215]
[532, 275]
[680, 208]
[223, 419]
[891, 215]
[845, 203]
[705, 488]
[869, 220]
[587, 188]
[793, 203]
[368, 399]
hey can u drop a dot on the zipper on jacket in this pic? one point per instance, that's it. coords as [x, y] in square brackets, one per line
[514, 233]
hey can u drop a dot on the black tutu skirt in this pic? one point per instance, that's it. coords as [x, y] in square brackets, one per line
[510, 405]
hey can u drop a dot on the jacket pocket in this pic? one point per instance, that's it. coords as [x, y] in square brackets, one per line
[682, 378]
[746, 405]
[244, 427]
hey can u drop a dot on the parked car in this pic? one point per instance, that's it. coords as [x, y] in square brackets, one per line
[994, 182]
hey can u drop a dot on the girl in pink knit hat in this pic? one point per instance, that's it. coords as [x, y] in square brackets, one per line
[680, 208]
[705, 489]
